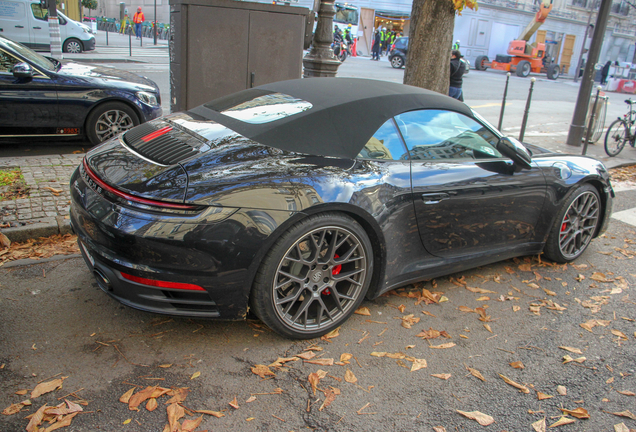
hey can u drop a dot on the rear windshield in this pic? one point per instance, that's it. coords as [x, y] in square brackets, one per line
[401, 42]
[258, 107]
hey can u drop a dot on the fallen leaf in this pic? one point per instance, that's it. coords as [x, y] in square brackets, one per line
[525, 267]
[190, 425]
[539, 425]
[443, 346]
[517, 365]
[568, 359]
[626, 393]
[516, 308]
[465, 309]
[175, 412]
[572, 350]
[332, 334]
[139, 397]
[443, 376]
[262, 371]
[152, 404]
[479, 291]
[282, 360]
[481, 418]
[4, 241]
[165, 366]
[21, 392]
[542, 396]
[609, 380]
[216, 414]
[313, 379]
[418, 364]
[46, 387]
[234, 404]
[599, 277]
[363, 310]
[127, 421]
[178, 395]
[350, 377]
[621, 428]
[307, 355]
[579, 413]
[476, 373]
[441, 429]
[625, 414]
[562, 390]
[619, 333]
[409, 320]
[488, 328]
[378, 354]
[195, 375]
[321, 361]
[548, 292]
[431, 333]
[345, 357]
[562, 421]
[12, 409]
[516, 385]
[330, 396]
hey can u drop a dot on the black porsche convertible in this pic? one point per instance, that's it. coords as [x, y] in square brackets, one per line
[297, 199]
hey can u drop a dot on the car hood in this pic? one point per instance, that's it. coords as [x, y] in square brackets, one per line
[104, 75]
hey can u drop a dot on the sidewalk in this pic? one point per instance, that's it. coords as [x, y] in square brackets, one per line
[118, 50]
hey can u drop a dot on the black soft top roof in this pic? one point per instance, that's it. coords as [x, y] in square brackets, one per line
[346, 112]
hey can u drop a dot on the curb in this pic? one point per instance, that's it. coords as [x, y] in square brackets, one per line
[28, 261]
[53, 226]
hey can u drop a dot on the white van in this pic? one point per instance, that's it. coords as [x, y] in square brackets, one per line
[26, 22]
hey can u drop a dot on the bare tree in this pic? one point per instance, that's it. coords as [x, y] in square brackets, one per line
[430, 42]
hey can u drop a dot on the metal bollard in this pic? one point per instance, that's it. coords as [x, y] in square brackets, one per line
[525, 114]
[130, 43]
[503, 103]
[590, 126]
[141, 38]
[106, 36]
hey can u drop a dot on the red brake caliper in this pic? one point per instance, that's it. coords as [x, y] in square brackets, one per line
[336, 270]
[564, 226]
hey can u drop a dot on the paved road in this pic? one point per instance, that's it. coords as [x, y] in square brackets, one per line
[55, 320]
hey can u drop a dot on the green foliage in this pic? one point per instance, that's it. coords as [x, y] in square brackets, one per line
[90, 4]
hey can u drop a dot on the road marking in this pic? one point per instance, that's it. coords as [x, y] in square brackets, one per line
[627, 216]
[490, 105]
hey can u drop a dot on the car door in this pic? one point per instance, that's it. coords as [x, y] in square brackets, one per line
[39, 27]
[28, 106]
[468, 198]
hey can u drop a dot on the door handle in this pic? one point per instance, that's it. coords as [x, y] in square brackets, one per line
[19, 26]
[434, 198]
[38, 28]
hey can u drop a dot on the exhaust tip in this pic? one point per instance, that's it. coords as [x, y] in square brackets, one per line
[102, 280]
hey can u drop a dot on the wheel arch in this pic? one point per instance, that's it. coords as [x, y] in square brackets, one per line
[74, 38]
[605, 199]
[368, 223]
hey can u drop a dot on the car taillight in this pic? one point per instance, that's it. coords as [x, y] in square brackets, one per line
[162, 284]
[98, 183]
[392, 47]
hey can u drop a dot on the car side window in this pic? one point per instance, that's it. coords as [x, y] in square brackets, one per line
[39, 13]
[385, 144]
[439, 134]
[7, 62]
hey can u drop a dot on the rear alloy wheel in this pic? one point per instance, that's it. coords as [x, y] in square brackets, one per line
[523, 68]
[109, 120]
[72, 46]
[314, 277]
[397, 62]
[575, 225]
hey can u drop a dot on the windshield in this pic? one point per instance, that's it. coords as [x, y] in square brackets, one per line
[34, 58]
[346, 15]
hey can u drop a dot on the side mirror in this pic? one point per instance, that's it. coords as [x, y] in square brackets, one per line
[23, 70]
[513, 149]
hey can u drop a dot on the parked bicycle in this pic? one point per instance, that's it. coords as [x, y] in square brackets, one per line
[620, 131]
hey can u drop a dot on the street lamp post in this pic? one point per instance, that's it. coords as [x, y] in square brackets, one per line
[321, 61]
[154, 25]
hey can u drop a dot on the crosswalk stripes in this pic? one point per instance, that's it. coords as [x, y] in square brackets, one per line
[137, 51]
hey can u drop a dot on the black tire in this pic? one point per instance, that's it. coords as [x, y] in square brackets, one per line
[342, 56]
[320, 282]
[480, 63]
[615, 137]
[575, 225]
[523, 68]
[553, 71]
[73, 46]
[109, 120]
[396, 62]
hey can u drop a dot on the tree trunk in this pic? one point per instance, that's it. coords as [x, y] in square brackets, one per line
[430, 42]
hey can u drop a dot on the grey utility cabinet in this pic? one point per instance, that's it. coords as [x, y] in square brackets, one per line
[218, 47]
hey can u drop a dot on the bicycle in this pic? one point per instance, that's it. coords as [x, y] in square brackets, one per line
[620, 132]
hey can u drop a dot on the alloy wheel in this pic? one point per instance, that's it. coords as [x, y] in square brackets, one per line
[111, 123]
[73, 47]
[319, 279]
[579, 224]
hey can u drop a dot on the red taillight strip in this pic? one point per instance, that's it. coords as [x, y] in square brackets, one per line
[162, 284]
[156, 134]
[129, 197]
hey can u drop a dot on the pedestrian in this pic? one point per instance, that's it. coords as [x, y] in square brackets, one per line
[457, 69]
[456, 45]
[605, 72]
[375, 48]
[138, 19]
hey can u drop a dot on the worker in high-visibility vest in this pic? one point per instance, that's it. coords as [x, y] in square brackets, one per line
[138, 19]
[383, 40]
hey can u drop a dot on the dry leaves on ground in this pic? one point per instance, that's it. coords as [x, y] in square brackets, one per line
[44, 247]
[479, 417]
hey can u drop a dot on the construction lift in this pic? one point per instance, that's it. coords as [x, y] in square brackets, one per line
[524, 57]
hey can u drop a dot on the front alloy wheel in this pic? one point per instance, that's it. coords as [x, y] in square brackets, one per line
[321, 275]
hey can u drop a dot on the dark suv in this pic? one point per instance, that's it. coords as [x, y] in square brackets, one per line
[397, 56]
